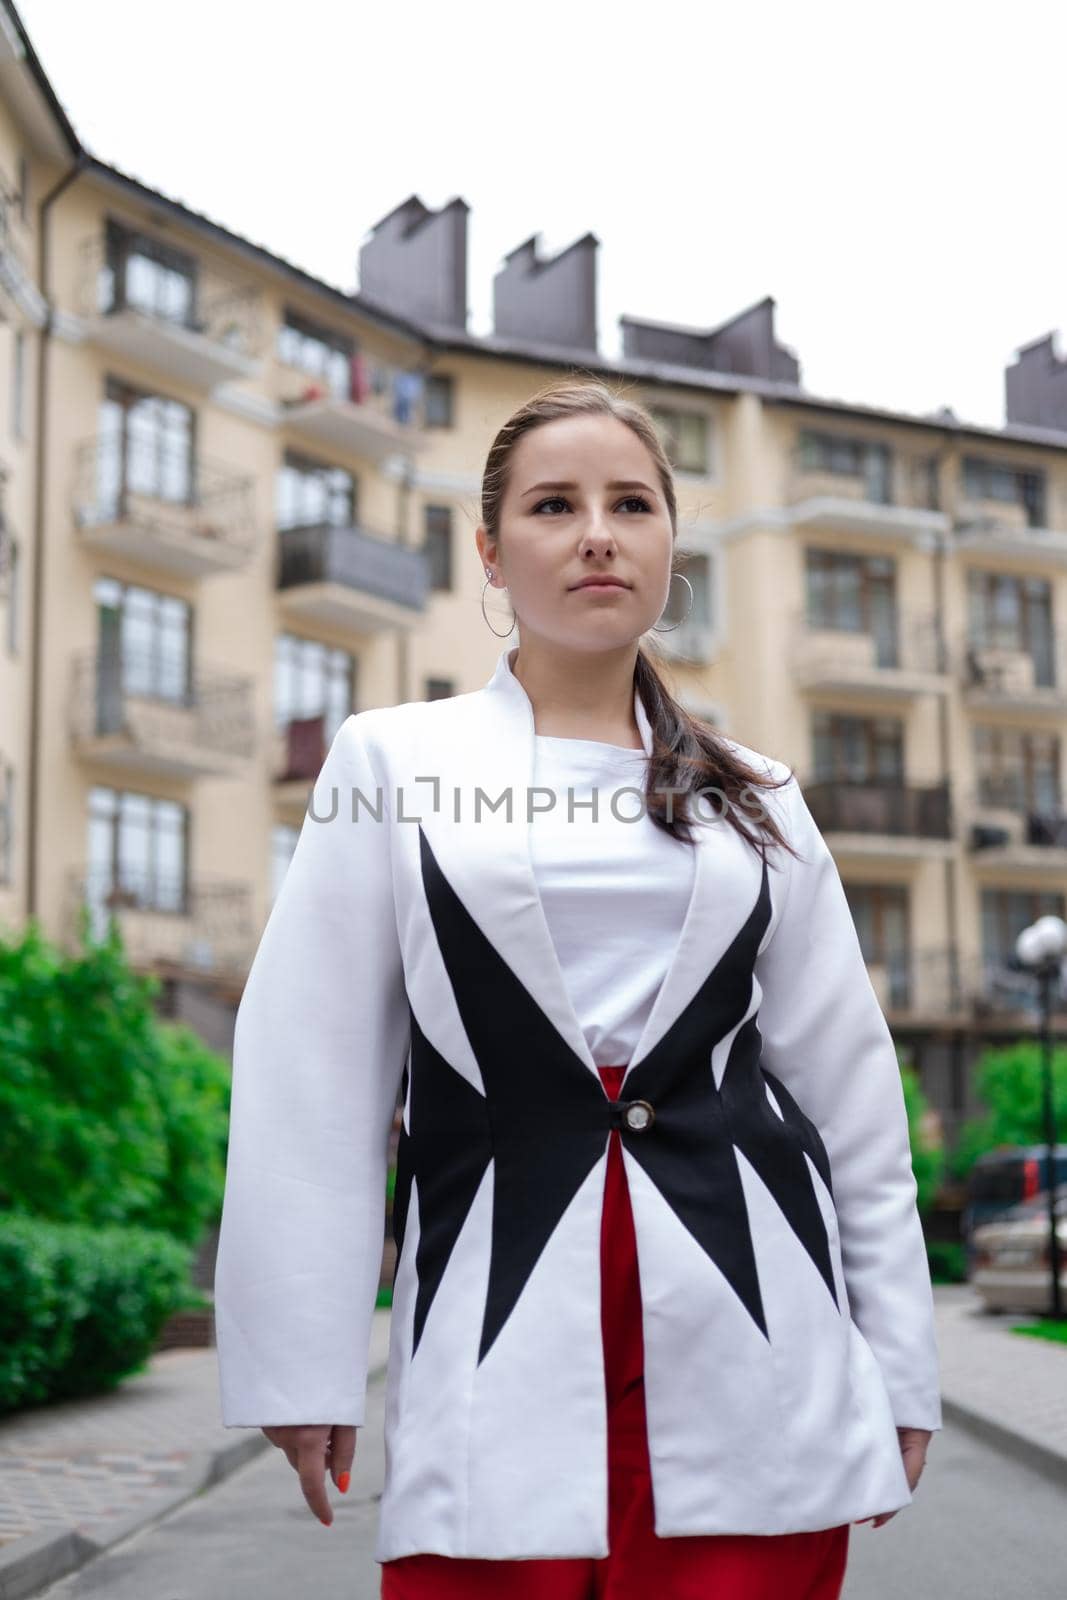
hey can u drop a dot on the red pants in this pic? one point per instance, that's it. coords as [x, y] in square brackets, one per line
[789, 1566]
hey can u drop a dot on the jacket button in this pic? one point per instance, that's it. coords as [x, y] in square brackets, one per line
[639, 1115]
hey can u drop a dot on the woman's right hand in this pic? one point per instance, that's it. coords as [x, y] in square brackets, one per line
[307, 1448]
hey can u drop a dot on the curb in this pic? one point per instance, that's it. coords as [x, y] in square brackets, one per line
[29, 1565]
[1020, 1446]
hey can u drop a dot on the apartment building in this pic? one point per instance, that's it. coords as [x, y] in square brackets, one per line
[239, 503]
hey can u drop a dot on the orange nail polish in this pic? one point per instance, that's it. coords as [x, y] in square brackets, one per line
[343, 1482]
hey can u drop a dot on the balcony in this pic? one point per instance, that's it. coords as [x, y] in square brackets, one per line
[998, 993]
[202, 330]
[167, 924]
[1005, 832]
[999, 675]
[182, 515]
[845, 662]
[915, 987]
[126, 712]
[886, 821]
[350, 578]
[1003, 527]
[375, 421]
[300, 746]
[834, 502]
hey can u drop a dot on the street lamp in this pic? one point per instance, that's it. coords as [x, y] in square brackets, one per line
[1042, 949]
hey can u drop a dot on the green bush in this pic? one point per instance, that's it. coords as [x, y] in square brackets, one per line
[1009, 1086]
[927, 1158]
[108, 1113]
[81, 1307]
[948, 1260]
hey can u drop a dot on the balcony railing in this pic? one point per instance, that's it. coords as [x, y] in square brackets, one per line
[908, 644]
[927, 983]
[1008, 668]
[198, 924]
[209, 305]
[1004, 818]
[908, 810]
[356, 559]
[129, 706]
[186, 511]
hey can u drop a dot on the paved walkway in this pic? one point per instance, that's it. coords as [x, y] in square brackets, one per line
[78, 1476]
[1010, 1388]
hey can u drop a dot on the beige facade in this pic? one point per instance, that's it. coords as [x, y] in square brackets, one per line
[239, 503]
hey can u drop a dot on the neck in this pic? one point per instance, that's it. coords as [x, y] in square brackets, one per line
[579, 694]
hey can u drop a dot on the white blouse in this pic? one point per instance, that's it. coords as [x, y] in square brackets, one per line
[614, 890]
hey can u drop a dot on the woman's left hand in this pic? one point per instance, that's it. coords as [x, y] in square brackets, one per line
[913, 1442]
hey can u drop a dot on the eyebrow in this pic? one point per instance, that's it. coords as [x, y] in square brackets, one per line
[619, 483]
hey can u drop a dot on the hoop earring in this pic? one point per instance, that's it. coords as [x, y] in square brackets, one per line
[488, 624]
[677, 624]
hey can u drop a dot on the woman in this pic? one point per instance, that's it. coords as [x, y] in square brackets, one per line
[662, 1319]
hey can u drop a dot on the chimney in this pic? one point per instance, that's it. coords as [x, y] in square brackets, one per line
[415, 263]
[745, 344]
[548, 300]
[1035, 386]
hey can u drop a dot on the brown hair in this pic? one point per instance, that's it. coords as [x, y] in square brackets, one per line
[688, 755]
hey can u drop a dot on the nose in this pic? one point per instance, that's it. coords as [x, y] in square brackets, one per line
[597, 537]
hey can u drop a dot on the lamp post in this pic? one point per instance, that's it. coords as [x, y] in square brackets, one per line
[1042, 949]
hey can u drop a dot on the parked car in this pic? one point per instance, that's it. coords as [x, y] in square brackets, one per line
[1011, 1269]
[1003, 1178]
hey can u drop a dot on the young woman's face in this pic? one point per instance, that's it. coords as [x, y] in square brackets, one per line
[583, 500]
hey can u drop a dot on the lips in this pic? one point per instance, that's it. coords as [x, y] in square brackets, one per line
[604, 582]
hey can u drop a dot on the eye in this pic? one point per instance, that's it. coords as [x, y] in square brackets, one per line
[631, 499]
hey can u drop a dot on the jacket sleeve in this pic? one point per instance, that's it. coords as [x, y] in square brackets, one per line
[320, 1042]
[825, 1035]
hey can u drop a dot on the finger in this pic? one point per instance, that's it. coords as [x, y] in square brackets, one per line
[311, 1470]
[342, 1454]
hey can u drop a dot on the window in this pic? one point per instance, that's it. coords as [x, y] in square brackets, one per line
[18, 387]
[880, 913]
[145, 646]
[1009, 612]
[847, 457]
[145, 448]
[312, 679]
[685, 437]
[283, 837]
[310, 494]
[1006, 912]
[857, 749]
[438, 399]
[7, 822]
[1018, 768]
[24, 187]
[439, 688]
[696, 566]
[856, 594]
[14, 577]
[319, 351]
[145, 274]
[990, 480]
[437, 543]
[138, 851]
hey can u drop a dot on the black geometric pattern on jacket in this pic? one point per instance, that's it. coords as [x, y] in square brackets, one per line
[544, 1121]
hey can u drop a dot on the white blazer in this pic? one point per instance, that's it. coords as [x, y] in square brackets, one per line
[787, 1307]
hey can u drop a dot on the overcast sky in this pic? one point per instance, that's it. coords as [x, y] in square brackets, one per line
[892, 174]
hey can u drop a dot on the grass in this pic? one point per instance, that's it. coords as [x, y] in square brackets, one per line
[1044, 1328]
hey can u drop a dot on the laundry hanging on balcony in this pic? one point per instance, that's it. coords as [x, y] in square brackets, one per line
[407, 390]
[359, 378]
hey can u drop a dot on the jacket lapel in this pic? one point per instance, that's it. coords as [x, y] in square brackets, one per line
[496, 755]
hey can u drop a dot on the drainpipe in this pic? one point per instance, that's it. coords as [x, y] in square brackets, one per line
[37, 579]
